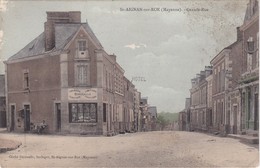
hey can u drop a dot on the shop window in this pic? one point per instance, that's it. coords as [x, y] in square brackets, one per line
[83, 112]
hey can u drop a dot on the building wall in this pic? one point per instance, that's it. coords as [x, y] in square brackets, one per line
[250, 67]
[79, 89]
[250, 30]
[43, 90]
[218, 88]
[198, 109]
[73, 60]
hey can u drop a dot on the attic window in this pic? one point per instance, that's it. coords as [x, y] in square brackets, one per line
[82, 45]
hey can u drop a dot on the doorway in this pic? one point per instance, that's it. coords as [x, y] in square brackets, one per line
[235, 120]
[256, 120]
[27, 121]
[58, 117]
[12, 118]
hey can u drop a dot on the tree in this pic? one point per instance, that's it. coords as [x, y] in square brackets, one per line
[161, 121]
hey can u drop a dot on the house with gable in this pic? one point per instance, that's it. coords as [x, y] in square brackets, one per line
[65, 77]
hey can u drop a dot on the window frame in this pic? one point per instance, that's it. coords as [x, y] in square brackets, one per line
[85, 76]
[84, 113]
[26, 79]
[80, 47]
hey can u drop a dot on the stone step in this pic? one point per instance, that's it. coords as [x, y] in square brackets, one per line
[245, 138]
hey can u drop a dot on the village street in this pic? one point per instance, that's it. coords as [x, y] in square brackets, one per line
[144, 149]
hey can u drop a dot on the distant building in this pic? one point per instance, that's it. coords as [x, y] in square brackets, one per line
[137, 111]
[184, 119]
[144, 113]
[152, 110]
[209, 80]
[198, 109]
[128, 105]
[2, 102]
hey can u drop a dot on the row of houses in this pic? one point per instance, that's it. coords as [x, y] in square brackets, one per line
[224, 97]
[66, 78]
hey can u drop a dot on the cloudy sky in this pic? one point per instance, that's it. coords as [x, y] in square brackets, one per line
[167, 48]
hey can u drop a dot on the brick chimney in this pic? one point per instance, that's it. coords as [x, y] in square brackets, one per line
[208, 70]
[239, 34]
[58, 17]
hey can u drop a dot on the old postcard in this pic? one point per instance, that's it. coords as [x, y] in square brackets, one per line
[129, 83]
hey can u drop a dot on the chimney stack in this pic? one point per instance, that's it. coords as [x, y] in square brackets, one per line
[58, 17]
[208, 70]
[239, 34]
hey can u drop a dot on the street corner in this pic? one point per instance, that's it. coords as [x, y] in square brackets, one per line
[8, 145]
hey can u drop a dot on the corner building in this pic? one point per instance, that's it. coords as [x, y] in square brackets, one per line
[65, 77]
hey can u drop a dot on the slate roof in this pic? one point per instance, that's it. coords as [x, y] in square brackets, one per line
[35, 47]
[64, 32]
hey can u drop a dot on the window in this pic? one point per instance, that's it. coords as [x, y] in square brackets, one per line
[81, 74]
[82, 45]
[83, 112]
[249, 62]
[222, 80]
[257, 53]
[104, 113]
[26, 80]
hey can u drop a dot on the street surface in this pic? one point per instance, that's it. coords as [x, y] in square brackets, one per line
[148, 149]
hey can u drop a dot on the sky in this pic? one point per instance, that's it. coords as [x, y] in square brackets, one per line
[166, 42]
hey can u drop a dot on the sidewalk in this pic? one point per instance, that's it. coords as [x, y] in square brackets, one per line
[245, 138]
[3, 130]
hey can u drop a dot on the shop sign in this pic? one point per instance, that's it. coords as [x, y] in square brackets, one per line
[82, 94]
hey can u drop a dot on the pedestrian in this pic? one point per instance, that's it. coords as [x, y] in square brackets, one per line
[42, 126]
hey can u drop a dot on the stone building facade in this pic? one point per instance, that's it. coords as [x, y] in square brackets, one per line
[65, 77]
[184, 119]
[209, 101]
[233, 87]
[137, 111]
[198, 108]
[145, 121]
[249, 80]
[152, 111]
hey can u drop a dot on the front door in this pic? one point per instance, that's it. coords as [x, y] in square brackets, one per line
[27, 121]
[256, 120]
[12, 117]
[58, 112]
[235, 120]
